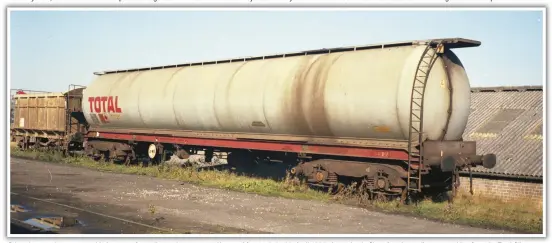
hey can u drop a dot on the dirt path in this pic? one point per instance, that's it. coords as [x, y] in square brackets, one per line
[193, 209]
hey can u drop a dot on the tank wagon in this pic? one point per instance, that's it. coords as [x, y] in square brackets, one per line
[389, 115]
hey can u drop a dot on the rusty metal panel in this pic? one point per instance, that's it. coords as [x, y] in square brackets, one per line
[440, 148]
[74, 99]
[41, 120]
[358, 94]
[518, 146]
[42, 111]
[77, 122]
[32, 110]
[20, 112]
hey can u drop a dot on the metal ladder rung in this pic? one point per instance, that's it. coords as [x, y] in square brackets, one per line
[417, 95]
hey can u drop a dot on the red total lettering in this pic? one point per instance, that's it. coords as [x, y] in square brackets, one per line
[104, 104]
[91, 101]
[97, 104]
[117, 108]
[110, 105]
[104, 99]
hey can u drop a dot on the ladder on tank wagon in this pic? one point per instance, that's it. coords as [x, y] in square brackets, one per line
[415, 137]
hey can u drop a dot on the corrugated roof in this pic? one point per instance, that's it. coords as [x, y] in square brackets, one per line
[507, 121]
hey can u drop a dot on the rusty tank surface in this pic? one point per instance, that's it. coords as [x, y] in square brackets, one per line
[364, 93]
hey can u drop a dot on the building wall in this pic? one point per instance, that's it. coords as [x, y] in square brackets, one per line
[503, 189]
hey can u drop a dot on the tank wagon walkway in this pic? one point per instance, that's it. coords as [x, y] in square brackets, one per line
[194, 209]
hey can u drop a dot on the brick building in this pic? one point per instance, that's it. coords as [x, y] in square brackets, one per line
[507, 121]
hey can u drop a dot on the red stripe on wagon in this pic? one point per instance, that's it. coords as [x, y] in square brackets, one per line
[267, 146]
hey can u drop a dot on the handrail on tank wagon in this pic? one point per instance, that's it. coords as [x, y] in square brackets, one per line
[449, 43]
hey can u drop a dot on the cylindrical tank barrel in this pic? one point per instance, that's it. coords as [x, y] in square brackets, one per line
[360, 94]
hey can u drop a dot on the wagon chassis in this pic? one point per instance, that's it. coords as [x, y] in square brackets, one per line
[379, 165]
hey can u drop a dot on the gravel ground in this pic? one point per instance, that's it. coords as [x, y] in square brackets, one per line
[188, 208]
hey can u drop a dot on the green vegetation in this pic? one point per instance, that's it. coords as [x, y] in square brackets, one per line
[522, 216]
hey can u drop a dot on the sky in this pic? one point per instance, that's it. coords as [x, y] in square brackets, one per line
[51, 49]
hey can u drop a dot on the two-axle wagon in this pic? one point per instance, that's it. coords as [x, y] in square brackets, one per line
[48, 120]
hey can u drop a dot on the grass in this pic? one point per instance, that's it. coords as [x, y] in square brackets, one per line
[523, 216]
